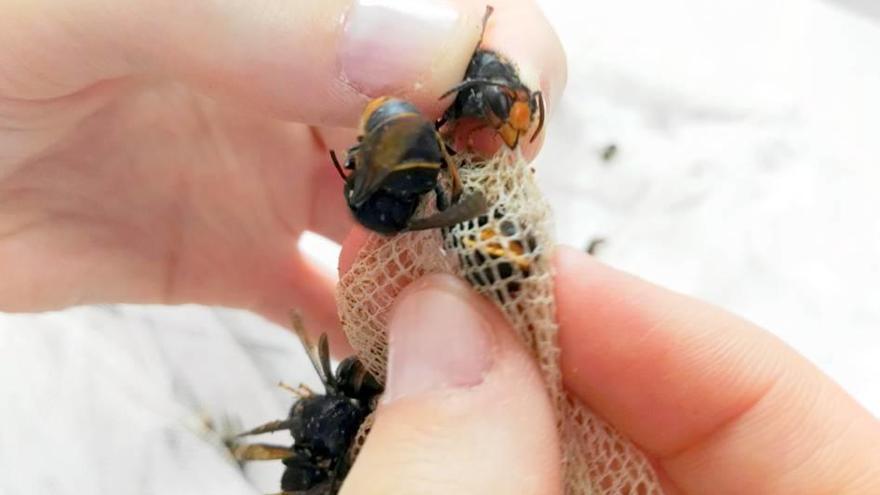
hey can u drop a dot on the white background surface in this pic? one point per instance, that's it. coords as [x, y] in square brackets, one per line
[748, 175]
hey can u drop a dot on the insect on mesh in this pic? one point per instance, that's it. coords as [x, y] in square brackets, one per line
[598, 459]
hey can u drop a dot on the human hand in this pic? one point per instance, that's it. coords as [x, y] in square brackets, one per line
[719, 405]
[173, 152]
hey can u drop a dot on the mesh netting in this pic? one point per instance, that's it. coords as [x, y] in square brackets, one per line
[505, 255]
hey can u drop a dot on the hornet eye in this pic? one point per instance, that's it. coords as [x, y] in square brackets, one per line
[498, 101]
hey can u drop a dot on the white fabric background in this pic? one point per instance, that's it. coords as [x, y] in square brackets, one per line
[749, 165]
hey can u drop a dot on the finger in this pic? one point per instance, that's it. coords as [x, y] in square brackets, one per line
[330, 215]
[723, 406]
[306, 288]
[315, 62]
[352, 245]
[465, 410]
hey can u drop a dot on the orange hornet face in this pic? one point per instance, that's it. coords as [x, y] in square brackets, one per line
[518, 122]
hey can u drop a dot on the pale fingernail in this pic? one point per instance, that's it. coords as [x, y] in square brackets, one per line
[438, 339]
[387, 42]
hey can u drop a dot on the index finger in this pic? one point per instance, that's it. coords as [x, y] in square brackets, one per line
[516, 29]
[316, 62]
[721, 405]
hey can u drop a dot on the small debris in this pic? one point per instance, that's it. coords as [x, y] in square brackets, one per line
[594, 245]
[609, 152]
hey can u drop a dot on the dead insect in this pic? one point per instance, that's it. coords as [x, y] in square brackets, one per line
[594, 245]
[495, 253]
[396, 162]
[609, 152]
[323, 426]
[493, 93]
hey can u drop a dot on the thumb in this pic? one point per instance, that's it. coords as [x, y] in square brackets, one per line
[465, 409]
[305, 60]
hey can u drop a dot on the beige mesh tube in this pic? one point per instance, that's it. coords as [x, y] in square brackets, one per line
[598, 460]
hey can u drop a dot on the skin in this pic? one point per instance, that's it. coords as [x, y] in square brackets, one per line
[150, 158]
[139, 165]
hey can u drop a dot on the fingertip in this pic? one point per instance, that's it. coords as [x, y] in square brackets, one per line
[660, 366]
[418, 50]
[719, 403]
[474, 418]
[411, 50]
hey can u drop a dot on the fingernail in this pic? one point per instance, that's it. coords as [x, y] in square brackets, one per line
[389, 41]
[438, 339]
